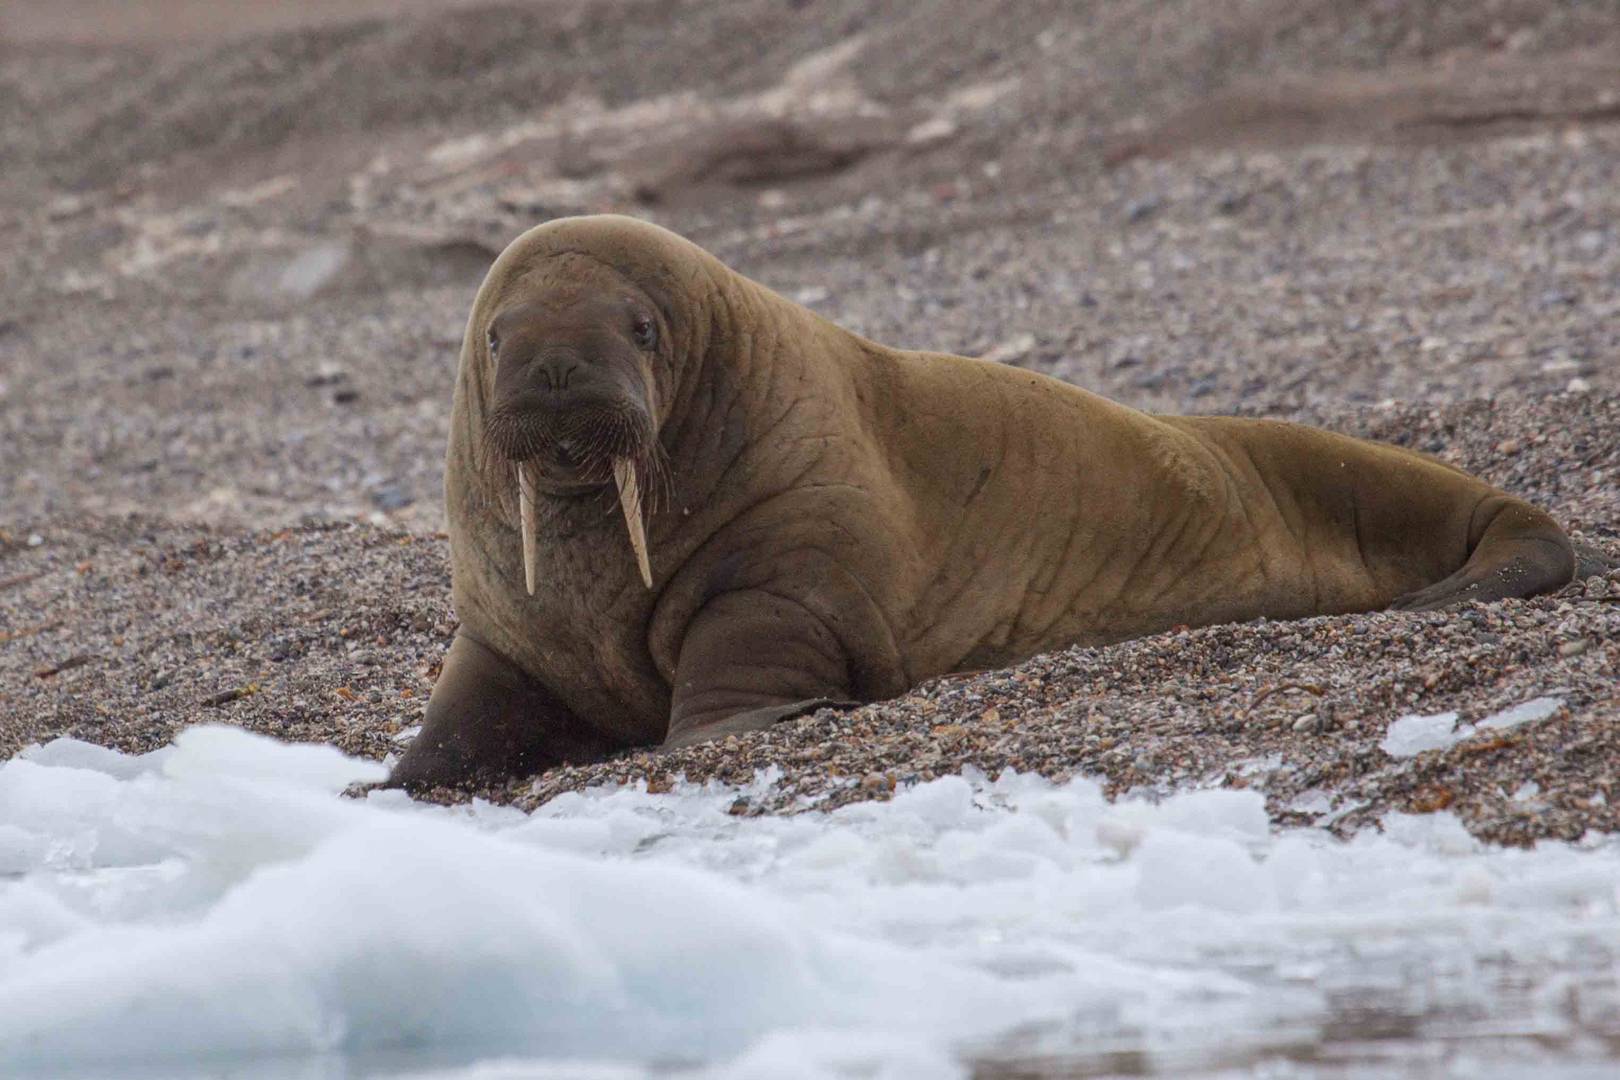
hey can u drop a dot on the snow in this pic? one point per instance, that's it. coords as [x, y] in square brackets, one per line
[1413, 735]
[221, 902]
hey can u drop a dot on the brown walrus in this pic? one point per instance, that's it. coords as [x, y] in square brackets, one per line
[681, 506]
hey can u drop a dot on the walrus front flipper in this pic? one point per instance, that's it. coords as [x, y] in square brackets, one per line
[1592, 561]
[1515, 550]
[749, 660]
[752, 720]
[488, 721]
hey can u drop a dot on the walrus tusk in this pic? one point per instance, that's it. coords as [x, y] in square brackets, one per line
[526, 522]
[624, 473]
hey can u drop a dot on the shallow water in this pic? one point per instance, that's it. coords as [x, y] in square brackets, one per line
[219, 907]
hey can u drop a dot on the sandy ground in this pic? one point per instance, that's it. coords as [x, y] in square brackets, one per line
[240, 256]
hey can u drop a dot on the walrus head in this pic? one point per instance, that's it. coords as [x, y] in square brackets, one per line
[575, 354]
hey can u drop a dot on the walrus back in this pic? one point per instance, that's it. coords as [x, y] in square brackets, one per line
[1373, 522]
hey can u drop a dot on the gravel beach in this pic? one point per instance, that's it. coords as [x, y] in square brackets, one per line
[240, 263]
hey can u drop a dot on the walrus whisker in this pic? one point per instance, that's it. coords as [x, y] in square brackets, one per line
[527, 523]
[661, 480]
[624, 473]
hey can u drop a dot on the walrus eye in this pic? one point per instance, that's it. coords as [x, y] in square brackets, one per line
[494, 343]
[645, 331]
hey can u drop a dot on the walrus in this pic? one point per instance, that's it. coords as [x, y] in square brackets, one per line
[682, 506]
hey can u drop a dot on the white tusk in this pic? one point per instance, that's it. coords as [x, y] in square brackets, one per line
[624, 473]
[526, 521]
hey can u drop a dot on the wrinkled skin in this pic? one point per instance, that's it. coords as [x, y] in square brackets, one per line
[829, 520]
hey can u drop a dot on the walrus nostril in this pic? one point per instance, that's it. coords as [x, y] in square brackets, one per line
[553, 376]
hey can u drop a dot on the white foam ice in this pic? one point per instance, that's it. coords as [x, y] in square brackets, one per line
[221, 903]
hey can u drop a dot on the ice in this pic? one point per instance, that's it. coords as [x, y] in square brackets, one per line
[1185, 870]
[221, 906]
[1530, 711]
[213, 750]
[77, 754]
[1312, 801]
[1413, 735]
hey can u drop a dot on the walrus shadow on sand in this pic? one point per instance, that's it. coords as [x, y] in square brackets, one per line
[682, 506]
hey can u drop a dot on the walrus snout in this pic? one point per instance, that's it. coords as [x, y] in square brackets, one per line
[563, 437]
[573, 400]
[552, 374]
[569, 431]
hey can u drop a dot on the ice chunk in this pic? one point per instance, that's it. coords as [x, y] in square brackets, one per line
[944, 802]
[20, 850]
[1181, 869]
[1235, 814]
[1311, 801]
[213, 750]
[1413, 735]
[1524, 713]
[78, 754]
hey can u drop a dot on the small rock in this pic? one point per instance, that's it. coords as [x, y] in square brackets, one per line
[65, 207]
[1203, 387]
[1307, 723]
[1574, 648]
[936, 130]
[311, 270]
[327, 374]
[391, 497]
[1009, 351]
[1142, 209]
[225, 697]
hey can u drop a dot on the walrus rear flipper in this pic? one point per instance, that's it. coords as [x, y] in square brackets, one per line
[1515, 551]
[488, 721]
